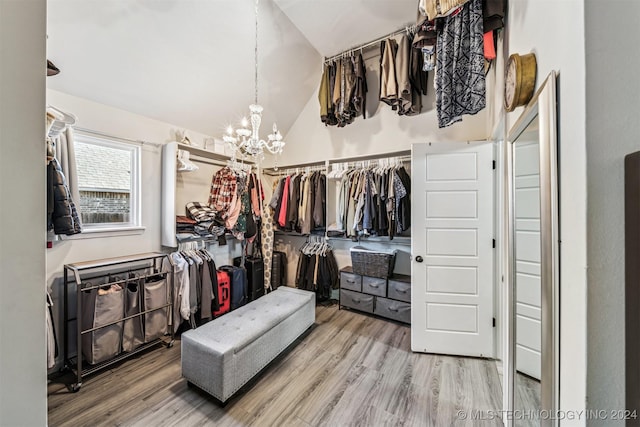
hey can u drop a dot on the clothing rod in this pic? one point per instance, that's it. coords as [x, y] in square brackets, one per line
[357, 163]
[106, 135]
[407, 28]
[207, 161]
[329, 162]
[372, 157]
[300, 165]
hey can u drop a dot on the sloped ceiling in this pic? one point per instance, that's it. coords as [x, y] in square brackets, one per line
[190, 62]
[333, 26]
[185, 62]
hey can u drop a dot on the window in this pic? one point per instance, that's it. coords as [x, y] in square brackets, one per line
[109, 183]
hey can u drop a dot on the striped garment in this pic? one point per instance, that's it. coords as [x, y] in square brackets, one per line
[200, 212]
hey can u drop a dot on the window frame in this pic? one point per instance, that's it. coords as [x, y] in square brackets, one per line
[134, 225]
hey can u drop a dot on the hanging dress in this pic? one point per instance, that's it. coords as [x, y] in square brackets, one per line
[460, 81]
[267, 245]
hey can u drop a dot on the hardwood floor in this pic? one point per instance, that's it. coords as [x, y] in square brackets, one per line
[349, 369]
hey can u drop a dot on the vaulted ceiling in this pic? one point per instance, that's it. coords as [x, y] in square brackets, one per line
[191, 62]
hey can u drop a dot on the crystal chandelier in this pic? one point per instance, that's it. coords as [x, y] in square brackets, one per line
[247, 140]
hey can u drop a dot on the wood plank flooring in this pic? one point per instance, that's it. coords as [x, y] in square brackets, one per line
[350, 369]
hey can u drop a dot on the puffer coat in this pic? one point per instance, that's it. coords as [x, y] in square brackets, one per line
[62, 216]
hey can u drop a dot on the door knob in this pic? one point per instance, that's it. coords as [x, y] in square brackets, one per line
[419, 259]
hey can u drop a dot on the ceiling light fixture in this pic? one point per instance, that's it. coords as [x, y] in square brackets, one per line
[247, 140]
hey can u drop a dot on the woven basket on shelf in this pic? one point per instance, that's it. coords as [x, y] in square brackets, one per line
[373, 264]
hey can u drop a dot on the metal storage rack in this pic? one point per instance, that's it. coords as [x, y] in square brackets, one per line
[79, 274]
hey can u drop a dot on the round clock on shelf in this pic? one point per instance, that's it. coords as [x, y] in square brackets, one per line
[519, 80]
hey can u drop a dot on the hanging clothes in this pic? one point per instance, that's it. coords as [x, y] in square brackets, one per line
[195, 286]
[62, 215]
[360, 90]
[52, 344]
[180, 282]
[342, 93]
[439, 8]
[460, 80]
[402, 75]
[223, 191]
[267, 245]
[234, 204]
[317, 269]
[375, 201]
[324, 97]
[301, 205]
[388, 82]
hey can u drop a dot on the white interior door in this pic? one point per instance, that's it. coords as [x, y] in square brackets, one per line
[452, 233]
[527, 242]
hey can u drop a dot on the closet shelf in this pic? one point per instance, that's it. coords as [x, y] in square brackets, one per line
[398, 240]
[203, 238]
[208, 154]
[293, 233]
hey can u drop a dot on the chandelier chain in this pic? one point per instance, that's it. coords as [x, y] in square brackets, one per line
[256, 56]
[247, 140]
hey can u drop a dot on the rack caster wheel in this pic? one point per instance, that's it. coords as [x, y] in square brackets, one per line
[74, 388]
[170, 344]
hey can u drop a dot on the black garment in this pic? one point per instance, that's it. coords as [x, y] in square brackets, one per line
[360, 92]
[62, 216]
[318, 273]
[206, 256]
[382, 223]
[294, 202]
[418, 77]
[493, 14]
[404, 209]
[331, 120]
[319, 206]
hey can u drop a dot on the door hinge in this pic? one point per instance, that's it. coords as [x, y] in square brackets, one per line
[494, 165]
[494, 322]
[493, 243]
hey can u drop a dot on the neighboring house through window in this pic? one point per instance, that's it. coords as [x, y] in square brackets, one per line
[108, 180]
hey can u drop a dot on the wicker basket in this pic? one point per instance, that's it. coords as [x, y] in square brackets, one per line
[372, 264]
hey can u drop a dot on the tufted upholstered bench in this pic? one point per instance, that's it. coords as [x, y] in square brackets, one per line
[222, 355]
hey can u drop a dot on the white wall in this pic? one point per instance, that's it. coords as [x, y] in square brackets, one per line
[555, 30]
[120, 123]
[23, 398]
[613, 102]
[383, 131]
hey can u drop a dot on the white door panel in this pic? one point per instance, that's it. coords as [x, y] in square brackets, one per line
[452, 204]
[452, 167]
[452, 280]
[452, 318]
[450, 242]
[527, 229]
[452, 222]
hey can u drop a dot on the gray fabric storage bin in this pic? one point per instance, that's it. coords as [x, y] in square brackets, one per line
[97, 310]
[374, 286]
[350, 281]
[155, 296]
[362, 302]
[133, 332]
[391, 309]
[400, 288]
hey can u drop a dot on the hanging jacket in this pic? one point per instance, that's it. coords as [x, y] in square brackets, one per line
[62, 216]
